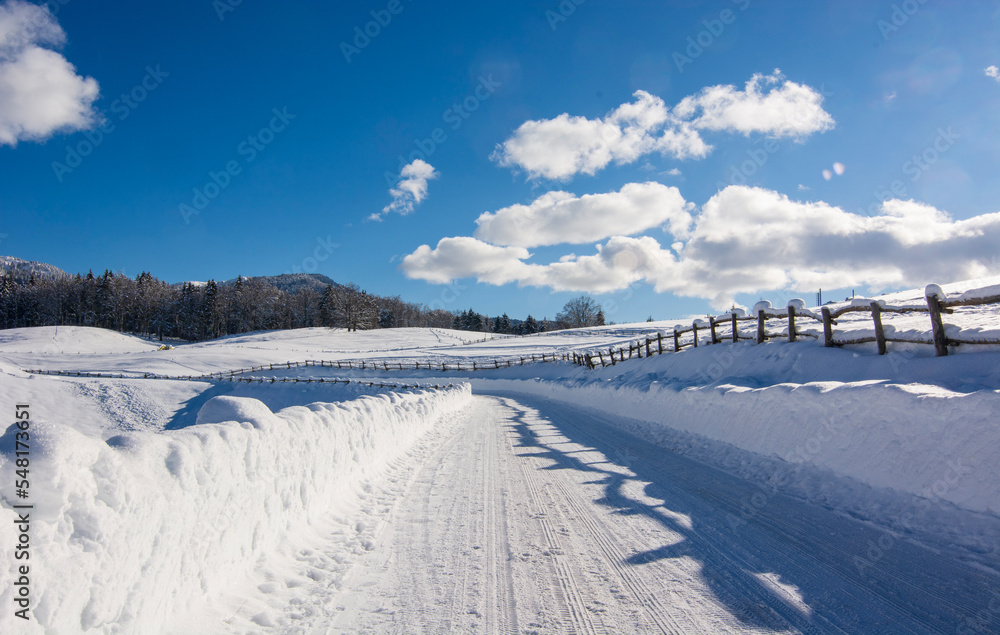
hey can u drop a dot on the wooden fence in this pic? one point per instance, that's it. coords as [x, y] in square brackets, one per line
[713, 331]
[235, 378]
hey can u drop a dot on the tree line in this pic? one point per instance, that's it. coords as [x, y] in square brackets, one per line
[150, 307]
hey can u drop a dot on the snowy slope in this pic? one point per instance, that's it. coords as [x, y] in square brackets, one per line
[213, 485]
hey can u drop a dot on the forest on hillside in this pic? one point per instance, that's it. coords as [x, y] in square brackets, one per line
[150, 307]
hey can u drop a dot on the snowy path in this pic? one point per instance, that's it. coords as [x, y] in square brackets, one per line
[535, 516]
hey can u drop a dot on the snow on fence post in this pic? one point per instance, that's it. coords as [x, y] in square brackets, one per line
[659, 343]
[677, 346]
[711, 326]
[647, 347]
[879, 331]
[590, 362]
[760, 326]
[934, 294]
[791, 322]
[827, 327]
[694, 325]
[638, 350]
[736, 330]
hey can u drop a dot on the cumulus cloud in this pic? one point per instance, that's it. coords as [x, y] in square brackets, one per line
[465, 257]
[40, 92]
[993, 71]
[411, 189]
[560, 217]
[746, 240]
[567, 145]
[786, 110]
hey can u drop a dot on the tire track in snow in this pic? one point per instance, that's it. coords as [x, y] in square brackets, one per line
[573, 610]
[789, 542]
[609, 539]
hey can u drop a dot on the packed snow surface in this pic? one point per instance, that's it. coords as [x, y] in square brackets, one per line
[782, 487]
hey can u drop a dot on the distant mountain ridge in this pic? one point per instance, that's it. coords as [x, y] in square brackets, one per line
[292, 282]
[21, 270]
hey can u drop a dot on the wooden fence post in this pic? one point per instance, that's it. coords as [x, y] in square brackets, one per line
[611, 353]
[600, 356]
[879, 331]
[694, 325]
[760, 326]
[736, 330]
[659, 343]
[638, 350]
[827, 327]
[940, 340]
[676, 341]
[711, 325]
[791, 323]
[647, 347]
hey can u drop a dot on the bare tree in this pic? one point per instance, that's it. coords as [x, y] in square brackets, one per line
[580, 312]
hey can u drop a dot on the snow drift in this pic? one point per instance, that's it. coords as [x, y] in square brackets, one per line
[933, 441]
[128, 532]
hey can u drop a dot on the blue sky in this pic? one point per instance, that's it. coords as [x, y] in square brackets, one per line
[300, 120]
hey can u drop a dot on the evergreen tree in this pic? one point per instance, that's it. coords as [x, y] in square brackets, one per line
[530, 326]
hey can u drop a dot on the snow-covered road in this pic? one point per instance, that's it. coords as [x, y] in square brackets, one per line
[535, 516]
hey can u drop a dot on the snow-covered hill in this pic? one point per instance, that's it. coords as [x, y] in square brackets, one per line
[22, 270]
[153, 496]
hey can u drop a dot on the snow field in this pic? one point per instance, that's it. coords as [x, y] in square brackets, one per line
[130, 532]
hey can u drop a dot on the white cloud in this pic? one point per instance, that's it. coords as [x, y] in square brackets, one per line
[465, 257]
[788, 110]
[40, 92]
[839, 168]
[567, 145]
[746, 240]
[673, 172]
[993, 71]
[411, 189]
[560, 217]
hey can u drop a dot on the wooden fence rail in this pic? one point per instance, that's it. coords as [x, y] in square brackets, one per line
[937, 305]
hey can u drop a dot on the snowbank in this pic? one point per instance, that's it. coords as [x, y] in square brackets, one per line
[129, 532]
[925, 440]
